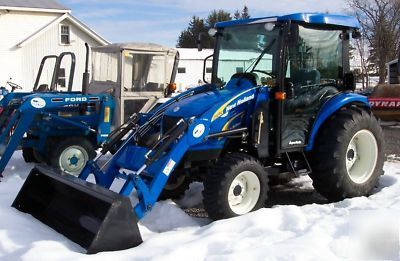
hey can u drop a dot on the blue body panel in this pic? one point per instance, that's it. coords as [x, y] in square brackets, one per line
[329, 108]
[309, 18]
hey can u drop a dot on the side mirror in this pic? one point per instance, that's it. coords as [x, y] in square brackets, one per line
[204, 67]
[289, 89]
[349, 82]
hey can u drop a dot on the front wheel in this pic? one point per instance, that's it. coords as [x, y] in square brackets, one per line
[29, 156]
[176, 186]
[237, 185]
[349, 155]
[71, 154]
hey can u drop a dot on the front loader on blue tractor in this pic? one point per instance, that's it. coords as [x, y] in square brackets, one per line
[281, 100]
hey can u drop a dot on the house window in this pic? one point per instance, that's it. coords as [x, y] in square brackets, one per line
[182, 70]
[239, 69]
[208, 70]
[65, 34]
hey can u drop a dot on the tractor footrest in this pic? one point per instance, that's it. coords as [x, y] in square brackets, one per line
[96, 218]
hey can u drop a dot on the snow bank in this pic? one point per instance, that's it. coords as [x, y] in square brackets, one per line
[283, 232]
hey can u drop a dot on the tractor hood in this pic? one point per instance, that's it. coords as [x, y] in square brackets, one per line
[195, 105]
[198, 104]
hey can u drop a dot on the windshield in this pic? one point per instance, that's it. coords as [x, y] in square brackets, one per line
[105, 66]
[249, 48]
[145, 72]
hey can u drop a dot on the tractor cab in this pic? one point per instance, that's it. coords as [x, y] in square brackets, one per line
[135, 74]
[303, 59]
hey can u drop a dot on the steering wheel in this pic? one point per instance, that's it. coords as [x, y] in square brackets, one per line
[264, 72]
[14, 86]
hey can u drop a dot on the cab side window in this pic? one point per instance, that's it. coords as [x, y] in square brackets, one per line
[315, 58]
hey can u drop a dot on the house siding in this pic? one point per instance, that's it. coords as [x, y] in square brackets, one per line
[15, 27]
[22, 63]
[49, 43]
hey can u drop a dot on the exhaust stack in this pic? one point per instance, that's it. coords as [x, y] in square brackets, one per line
[86, 74]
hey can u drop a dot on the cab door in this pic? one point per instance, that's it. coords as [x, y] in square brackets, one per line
[314, 67]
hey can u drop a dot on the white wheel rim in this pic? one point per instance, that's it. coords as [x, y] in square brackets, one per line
[361, 156]
[73, 159]
[244, 192]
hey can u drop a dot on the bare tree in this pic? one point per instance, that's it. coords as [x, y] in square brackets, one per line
[380, 22]
[360, 46]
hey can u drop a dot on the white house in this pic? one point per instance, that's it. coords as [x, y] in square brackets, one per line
[392, 70]
[190, 68]
[31, 30]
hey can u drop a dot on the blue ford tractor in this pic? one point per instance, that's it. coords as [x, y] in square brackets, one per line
[281, 100]
[63, 128]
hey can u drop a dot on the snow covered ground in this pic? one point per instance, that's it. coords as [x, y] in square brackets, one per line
[336, 231]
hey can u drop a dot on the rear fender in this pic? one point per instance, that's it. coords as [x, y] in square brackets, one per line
[330, 107]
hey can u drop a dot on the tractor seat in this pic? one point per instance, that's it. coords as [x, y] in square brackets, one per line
[248, 76]
[310, 101]
[43, 88]
[306, 77]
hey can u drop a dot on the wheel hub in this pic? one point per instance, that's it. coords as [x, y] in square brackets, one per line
[351, 156]
[237, 190]
[73, 160]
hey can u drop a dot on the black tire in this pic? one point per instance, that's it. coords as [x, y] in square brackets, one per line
[220, 179]
[60, 145]
[29, 156]
[332, 151]
[39, 156]
[176, 187]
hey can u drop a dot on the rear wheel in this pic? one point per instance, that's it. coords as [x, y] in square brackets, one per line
[349, 155]
[71, 154]
[237, 185]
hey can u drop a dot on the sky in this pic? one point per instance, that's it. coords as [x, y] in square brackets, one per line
[161, 21]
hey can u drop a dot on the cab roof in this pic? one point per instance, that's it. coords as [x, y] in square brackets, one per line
[308, 18]
[143, 47]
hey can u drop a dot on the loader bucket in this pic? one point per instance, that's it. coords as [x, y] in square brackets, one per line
[96, 218]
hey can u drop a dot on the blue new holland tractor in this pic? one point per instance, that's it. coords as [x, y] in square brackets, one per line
[280, 101]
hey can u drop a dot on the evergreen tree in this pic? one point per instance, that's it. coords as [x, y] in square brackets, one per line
[237, 15]
[188, 37]
[245, 13]
[217, 16]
